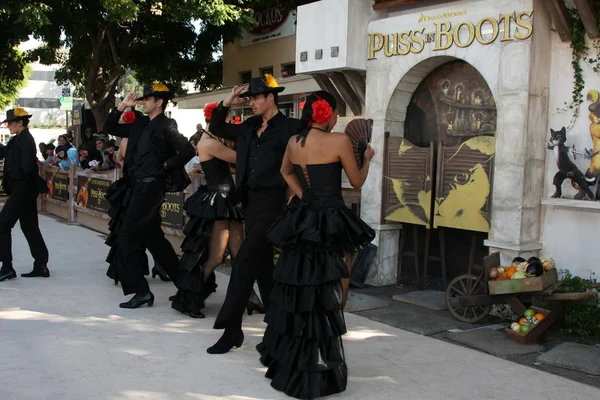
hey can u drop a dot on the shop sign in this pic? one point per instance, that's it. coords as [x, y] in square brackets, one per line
[171, 210]
[91, 193]
[446, 35]
[273, 23]
[58, 186]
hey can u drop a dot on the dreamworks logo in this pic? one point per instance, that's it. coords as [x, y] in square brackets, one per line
[426, 18]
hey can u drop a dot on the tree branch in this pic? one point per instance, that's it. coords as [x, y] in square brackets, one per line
[113, 49]
[95, 64]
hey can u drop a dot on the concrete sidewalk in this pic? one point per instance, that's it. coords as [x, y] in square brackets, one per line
[66, 338]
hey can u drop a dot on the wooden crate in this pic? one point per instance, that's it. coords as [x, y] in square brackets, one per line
[536, 331]
[511, 286]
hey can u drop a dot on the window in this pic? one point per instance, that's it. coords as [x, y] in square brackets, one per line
[266, 70]
[288, 69]
[246, 76]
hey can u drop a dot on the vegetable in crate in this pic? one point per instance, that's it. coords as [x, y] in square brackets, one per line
[535, 266]
[548, 263]
[519, 275]
[494, 273]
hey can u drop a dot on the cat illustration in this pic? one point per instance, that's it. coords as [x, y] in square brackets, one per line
[566, 167]
[82, 196]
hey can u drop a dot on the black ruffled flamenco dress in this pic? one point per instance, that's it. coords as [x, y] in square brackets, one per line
[118, 195]
[217, 200]
[302, 345]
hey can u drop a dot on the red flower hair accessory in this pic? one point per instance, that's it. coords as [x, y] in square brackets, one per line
[129, 117]
[321, 111]
[208, 111]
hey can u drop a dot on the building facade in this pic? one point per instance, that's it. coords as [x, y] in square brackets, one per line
[462, 95]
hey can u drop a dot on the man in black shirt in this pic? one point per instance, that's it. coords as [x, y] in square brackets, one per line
[261, 143]
[155, 156]
[20, 182]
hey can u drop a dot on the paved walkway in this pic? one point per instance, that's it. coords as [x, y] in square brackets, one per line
[66, 338]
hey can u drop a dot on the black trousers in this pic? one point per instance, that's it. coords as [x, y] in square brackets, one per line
[254, 260]
[22, 206]
[142, 229]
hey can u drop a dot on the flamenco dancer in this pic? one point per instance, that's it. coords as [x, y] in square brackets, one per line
[261, 142]
[154, 161]
[302, 345]
[215, 225]
[118, 195]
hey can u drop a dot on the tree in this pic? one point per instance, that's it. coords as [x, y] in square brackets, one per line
[97, 41]
[11, 84]
[18, 18]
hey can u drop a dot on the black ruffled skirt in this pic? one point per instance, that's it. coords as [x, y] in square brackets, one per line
[203, 208]
[118, 195]
[302, 345]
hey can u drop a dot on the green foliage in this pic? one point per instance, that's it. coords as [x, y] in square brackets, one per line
[12, 85]
[579, 53]
[580, 317]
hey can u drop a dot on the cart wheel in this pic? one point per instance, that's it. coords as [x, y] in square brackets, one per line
[464, 285]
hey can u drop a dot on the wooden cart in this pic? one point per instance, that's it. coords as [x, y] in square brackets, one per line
[469, 300]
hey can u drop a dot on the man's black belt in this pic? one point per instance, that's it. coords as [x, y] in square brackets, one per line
[146, 180]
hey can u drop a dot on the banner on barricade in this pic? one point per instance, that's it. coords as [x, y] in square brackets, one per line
[172, 210]
[58, 185]
[91, 193]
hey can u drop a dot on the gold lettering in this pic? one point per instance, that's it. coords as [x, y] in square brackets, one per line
[479, 34]
[506, 18]
[457, 34]
[405, 42]
[442, 29]
[374, 48]
[386, 45]
[524, 24]
[429, 37]
[417, 40]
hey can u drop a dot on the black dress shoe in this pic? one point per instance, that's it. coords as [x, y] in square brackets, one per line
[139, 300]
[161, 274]
[41, 272]
[197, 314]
[7, 274]
[226, 342]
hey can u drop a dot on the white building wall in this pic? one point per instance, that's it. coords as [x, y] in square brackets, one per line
[569, 227]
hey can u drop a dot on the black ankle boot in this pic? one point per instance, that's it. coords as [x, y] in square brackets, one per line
[7, 272]
[229, 339]
[139, 300]
[41, 272]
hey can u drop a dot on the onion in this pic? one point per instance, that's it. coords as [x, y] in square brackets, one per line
[494, 273]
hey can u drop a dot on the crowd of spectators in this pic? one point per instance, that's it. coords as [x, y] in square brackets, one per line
[97, 152]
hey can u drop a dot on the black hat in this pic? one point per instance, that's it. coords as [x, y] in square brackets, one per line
[264, 85]
[60, 148]
[49, 146]
[156, 90]
[16, 114]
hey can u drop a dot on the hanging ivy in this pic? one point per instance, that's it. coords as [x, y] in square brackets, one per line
[580, 49]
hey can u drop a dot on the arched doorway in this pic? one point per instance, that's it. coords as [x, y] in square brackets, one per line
[438, 172]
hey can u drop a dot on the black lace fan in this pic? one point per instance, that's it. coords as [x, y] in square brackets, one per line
[359, 131]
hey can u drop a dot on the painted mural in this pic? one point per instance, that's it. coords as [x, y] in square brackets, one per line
[452, 114]
[408, 185]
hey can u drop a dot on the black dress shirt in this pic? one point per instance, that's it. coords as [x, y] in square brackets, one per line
[258, 160]
[145, 162]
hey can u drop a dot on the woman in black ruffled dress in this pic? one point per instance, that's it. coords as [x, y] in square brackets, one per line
[302, 345]
[215, 226]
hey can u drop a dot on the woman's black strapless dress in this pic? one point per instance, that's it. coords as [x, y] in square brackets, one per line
[302, 345]
[216, 200]
[118, 195]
